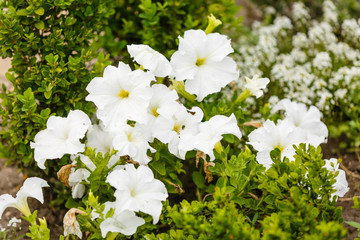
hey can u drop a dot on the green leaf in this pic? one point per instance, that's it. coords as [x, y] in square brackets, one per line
[40, 11]
[159, 166]
[354, 224]
[198, 179]
[40, 25]
[22, 12]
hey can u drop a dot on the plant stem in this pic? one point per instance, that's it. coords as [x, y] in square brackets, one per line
[112, 236]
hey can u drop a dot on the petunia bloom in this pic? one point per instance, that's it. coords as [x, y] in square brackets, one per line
[175, 123]
[210, 132]
[308, 120]
[138, 190]
[62, 136]
[150, 59]
[133, 141]
[124, 222]
[341, 184]
[32, 187]
[121, 95]
[281, 136]
[256, 85]
[202, 61]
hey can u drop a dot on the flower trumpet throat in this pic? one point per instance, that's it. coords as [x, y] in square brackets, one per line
[123, 94]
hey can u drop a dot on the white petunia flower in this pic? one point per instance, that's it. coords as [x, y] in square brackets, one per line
[121, 95]
[210, 133]
[102, 141]
[137, 190]
[203, 62]
[306, 119]
[175, 123]
[124, 222]
[163, 99]
[282, 136]
[150, 59]
[32, 187]
[133, 141]
[80, 174]
[341, 185]
[61, 137]
[256, 85]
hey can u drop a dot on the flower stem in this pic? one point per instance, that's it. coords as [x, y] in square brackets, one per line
[180, 89]
[112, 236]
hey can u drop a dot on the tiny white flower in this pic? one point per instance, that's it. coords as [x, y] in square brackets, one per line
[32, 187]
[210, 133]
[124, 222]
[13, 222]
[282, 136]
[202, 61]
[341, 184]
[121, 95]
[150, 59]
[138, 190]
[256, 85]
[62, 136]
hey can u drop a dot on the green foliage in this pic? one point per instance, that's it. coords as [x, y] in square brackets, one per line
[37, 232]
[291, 200]
[50, 44]
[159, 23]
[352, 223]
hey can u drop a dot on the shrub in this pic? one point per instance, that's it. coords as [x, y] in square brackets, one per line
[54, 46]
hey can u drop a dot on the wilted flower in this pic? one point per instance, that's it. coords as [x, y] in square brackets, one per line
[32, 187]
[71, 225]
[137, 190]
[150, 59]
[62, 136]
[256, 85]
[121, 95]
[203, 62]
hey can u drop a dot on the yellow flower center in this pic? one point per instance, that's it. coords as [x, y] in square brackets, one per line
[123, 94]
[177, 128]
[154, 112]
[279, 147]
[200, 61]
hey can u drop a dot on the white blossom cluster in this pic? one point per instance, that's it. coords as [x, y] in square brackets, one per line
[300, 125]
[132, 111]
[317, 65]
